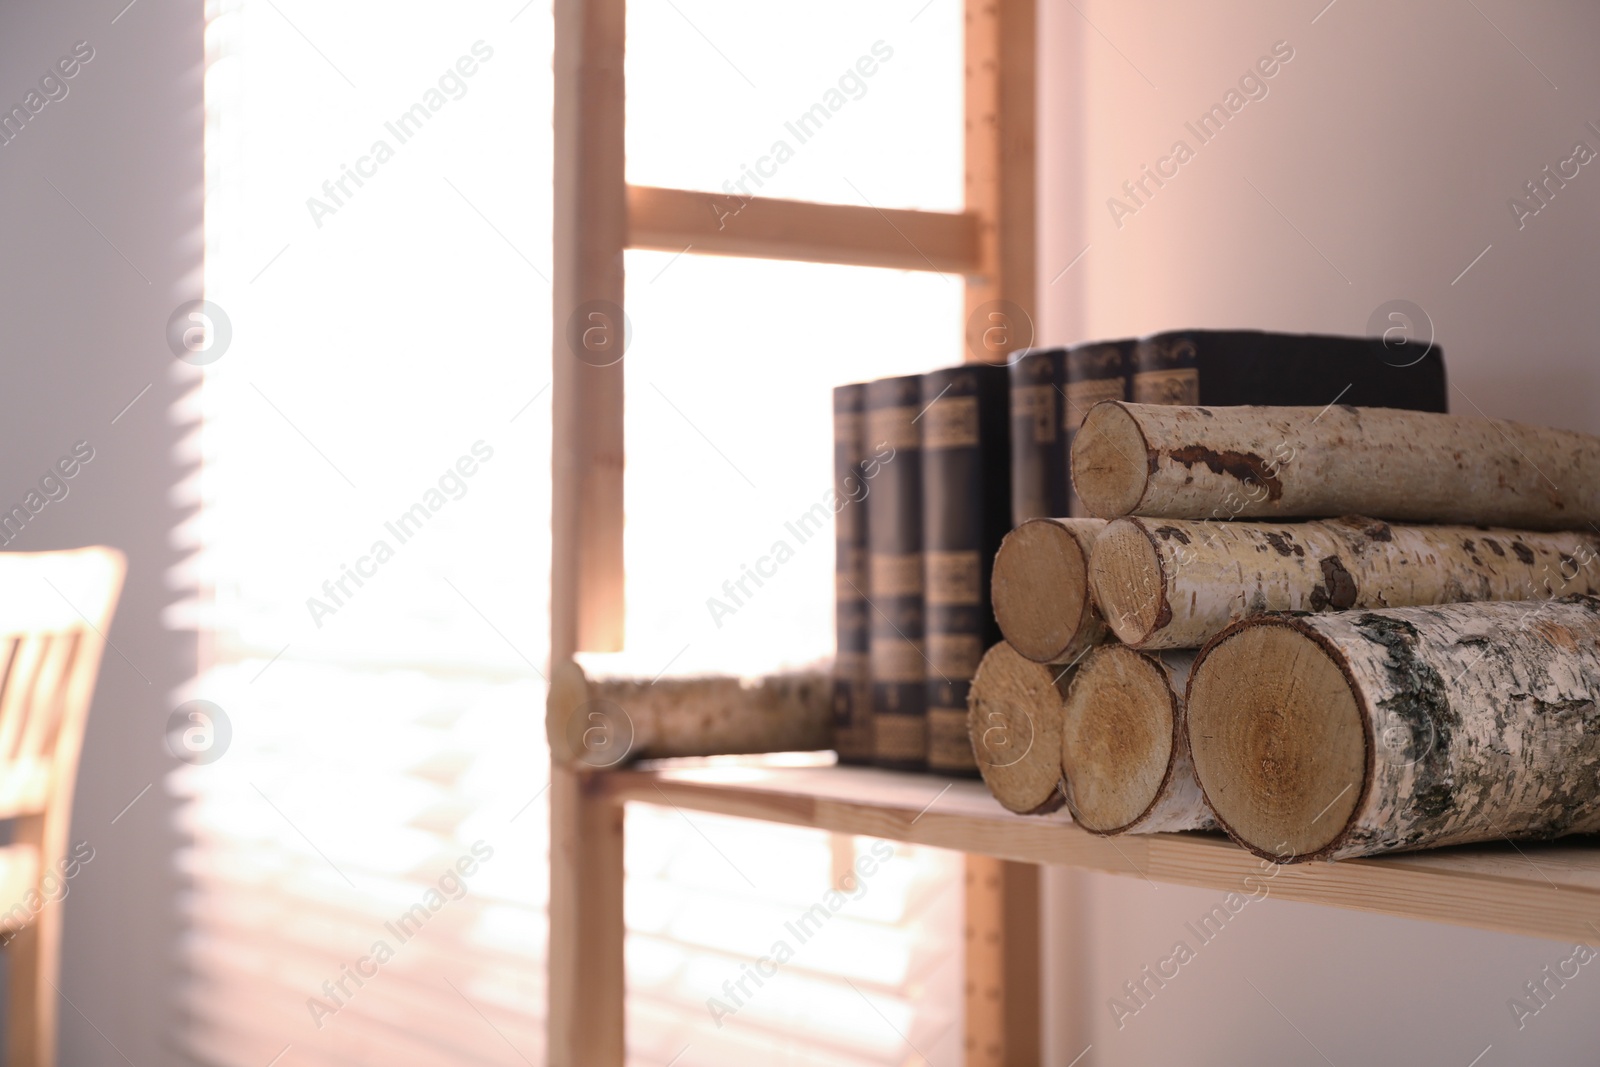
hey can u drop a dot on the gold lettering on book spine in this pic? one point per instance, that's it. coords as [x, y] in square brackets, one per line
[954, 578]
[1085, 394]
[895, 427]
[951, 422]
[954, 656]
[1177, 385]
[1036, 404]
[895, 575]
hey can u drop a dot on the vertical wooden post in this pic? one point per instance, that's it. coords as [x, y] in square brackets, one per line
[589, 327]
[1002, 942]
[1002, 903]
[586, 977]
[1002, 299]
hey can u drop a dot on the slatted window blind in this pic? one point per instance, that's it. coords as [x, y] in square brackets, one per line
[368, 859]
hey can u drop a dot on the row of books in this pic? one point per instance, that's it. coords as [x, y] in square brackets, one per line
[933, 470]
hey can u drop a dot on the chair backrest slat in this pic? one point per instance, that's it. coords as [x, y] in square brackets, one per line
[16, 701]
[10, 645]
[54, 610]
[49, 701]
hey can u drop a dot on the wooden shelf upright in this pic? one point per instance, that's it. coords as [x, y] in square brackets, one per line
[597, 216]
[1541, 890]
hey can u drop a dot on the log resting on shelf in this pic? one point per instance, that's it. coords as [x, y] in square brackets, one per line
[1361, 732]
[1014, 721]
[604, 722]
[1124, 748]
[1176, 583]
[1281, 462]
[1040, 589]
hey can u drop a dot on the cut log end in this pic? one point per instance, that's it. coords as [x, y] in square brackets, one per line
[1278, 737]
[1014, 720]
[568, 691]
[1129, 586]
[1110, 461]
[1117, 732]
[1040, 588]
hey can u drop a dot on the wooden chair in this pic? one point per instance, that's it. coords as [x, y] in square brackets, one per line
[55, 608]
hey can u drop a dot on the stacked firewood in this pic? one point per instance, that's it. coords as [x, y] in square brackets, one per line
[1330, 633]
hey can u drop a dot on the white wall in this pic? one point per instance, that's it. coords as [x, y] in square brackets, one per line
[82, 321]
[1391, 142]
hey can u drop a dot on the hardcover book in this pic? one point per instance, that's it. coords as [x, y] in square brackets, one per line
[894, 575]
[966, 510]
[1227, 367]
[852, 707]
[1092, 372]
[1039, 482]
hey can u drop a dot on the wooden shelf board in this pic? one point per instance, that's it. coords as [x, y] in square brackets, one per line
[1543, 890]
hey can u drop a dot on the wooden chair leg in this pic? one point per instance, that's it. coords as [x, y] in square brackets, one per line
[35, 972]
[34, 963]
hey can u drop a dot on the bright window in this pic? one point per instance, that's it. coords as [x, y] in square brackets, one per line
[376, 536]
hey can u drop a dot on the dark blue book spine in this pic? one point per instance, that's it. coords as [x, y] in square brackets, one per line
[852, 680]
[1093, 372]
[1227, 367]
[894, 572]
[1038, 457]
[966, 510]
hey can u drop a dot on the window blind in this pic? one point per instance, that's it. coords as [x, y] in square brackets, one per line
[367, 859]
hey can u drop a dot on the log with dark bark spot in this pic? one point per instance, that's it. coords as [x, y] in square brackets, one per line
[1158, 591]
[1284, 462]
[1362, 732]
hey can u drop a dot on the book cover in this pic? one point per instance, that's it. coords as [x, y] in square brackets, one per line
[852, 708]
[895, 643]
[966, 510]
[1092, 372]
[1039, 481]
[1226, 367]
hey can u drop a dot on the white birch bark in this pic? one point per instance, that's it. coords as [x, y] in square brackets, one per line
[1420, 727]
[603, 722]
[1265, 462]
[1174, 583]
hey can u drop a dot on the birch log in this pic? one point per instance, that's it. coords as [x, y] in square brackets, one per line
[1124, 748]
[1040, 589]
[1360, 732]
[602, 722]
[1014, 721]
[1174, 583]
[1278, 462]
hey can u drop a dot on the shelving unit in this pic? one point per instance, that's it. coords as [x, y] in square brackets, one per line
[1536, 890]
[990, 245]
[1545, 891]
